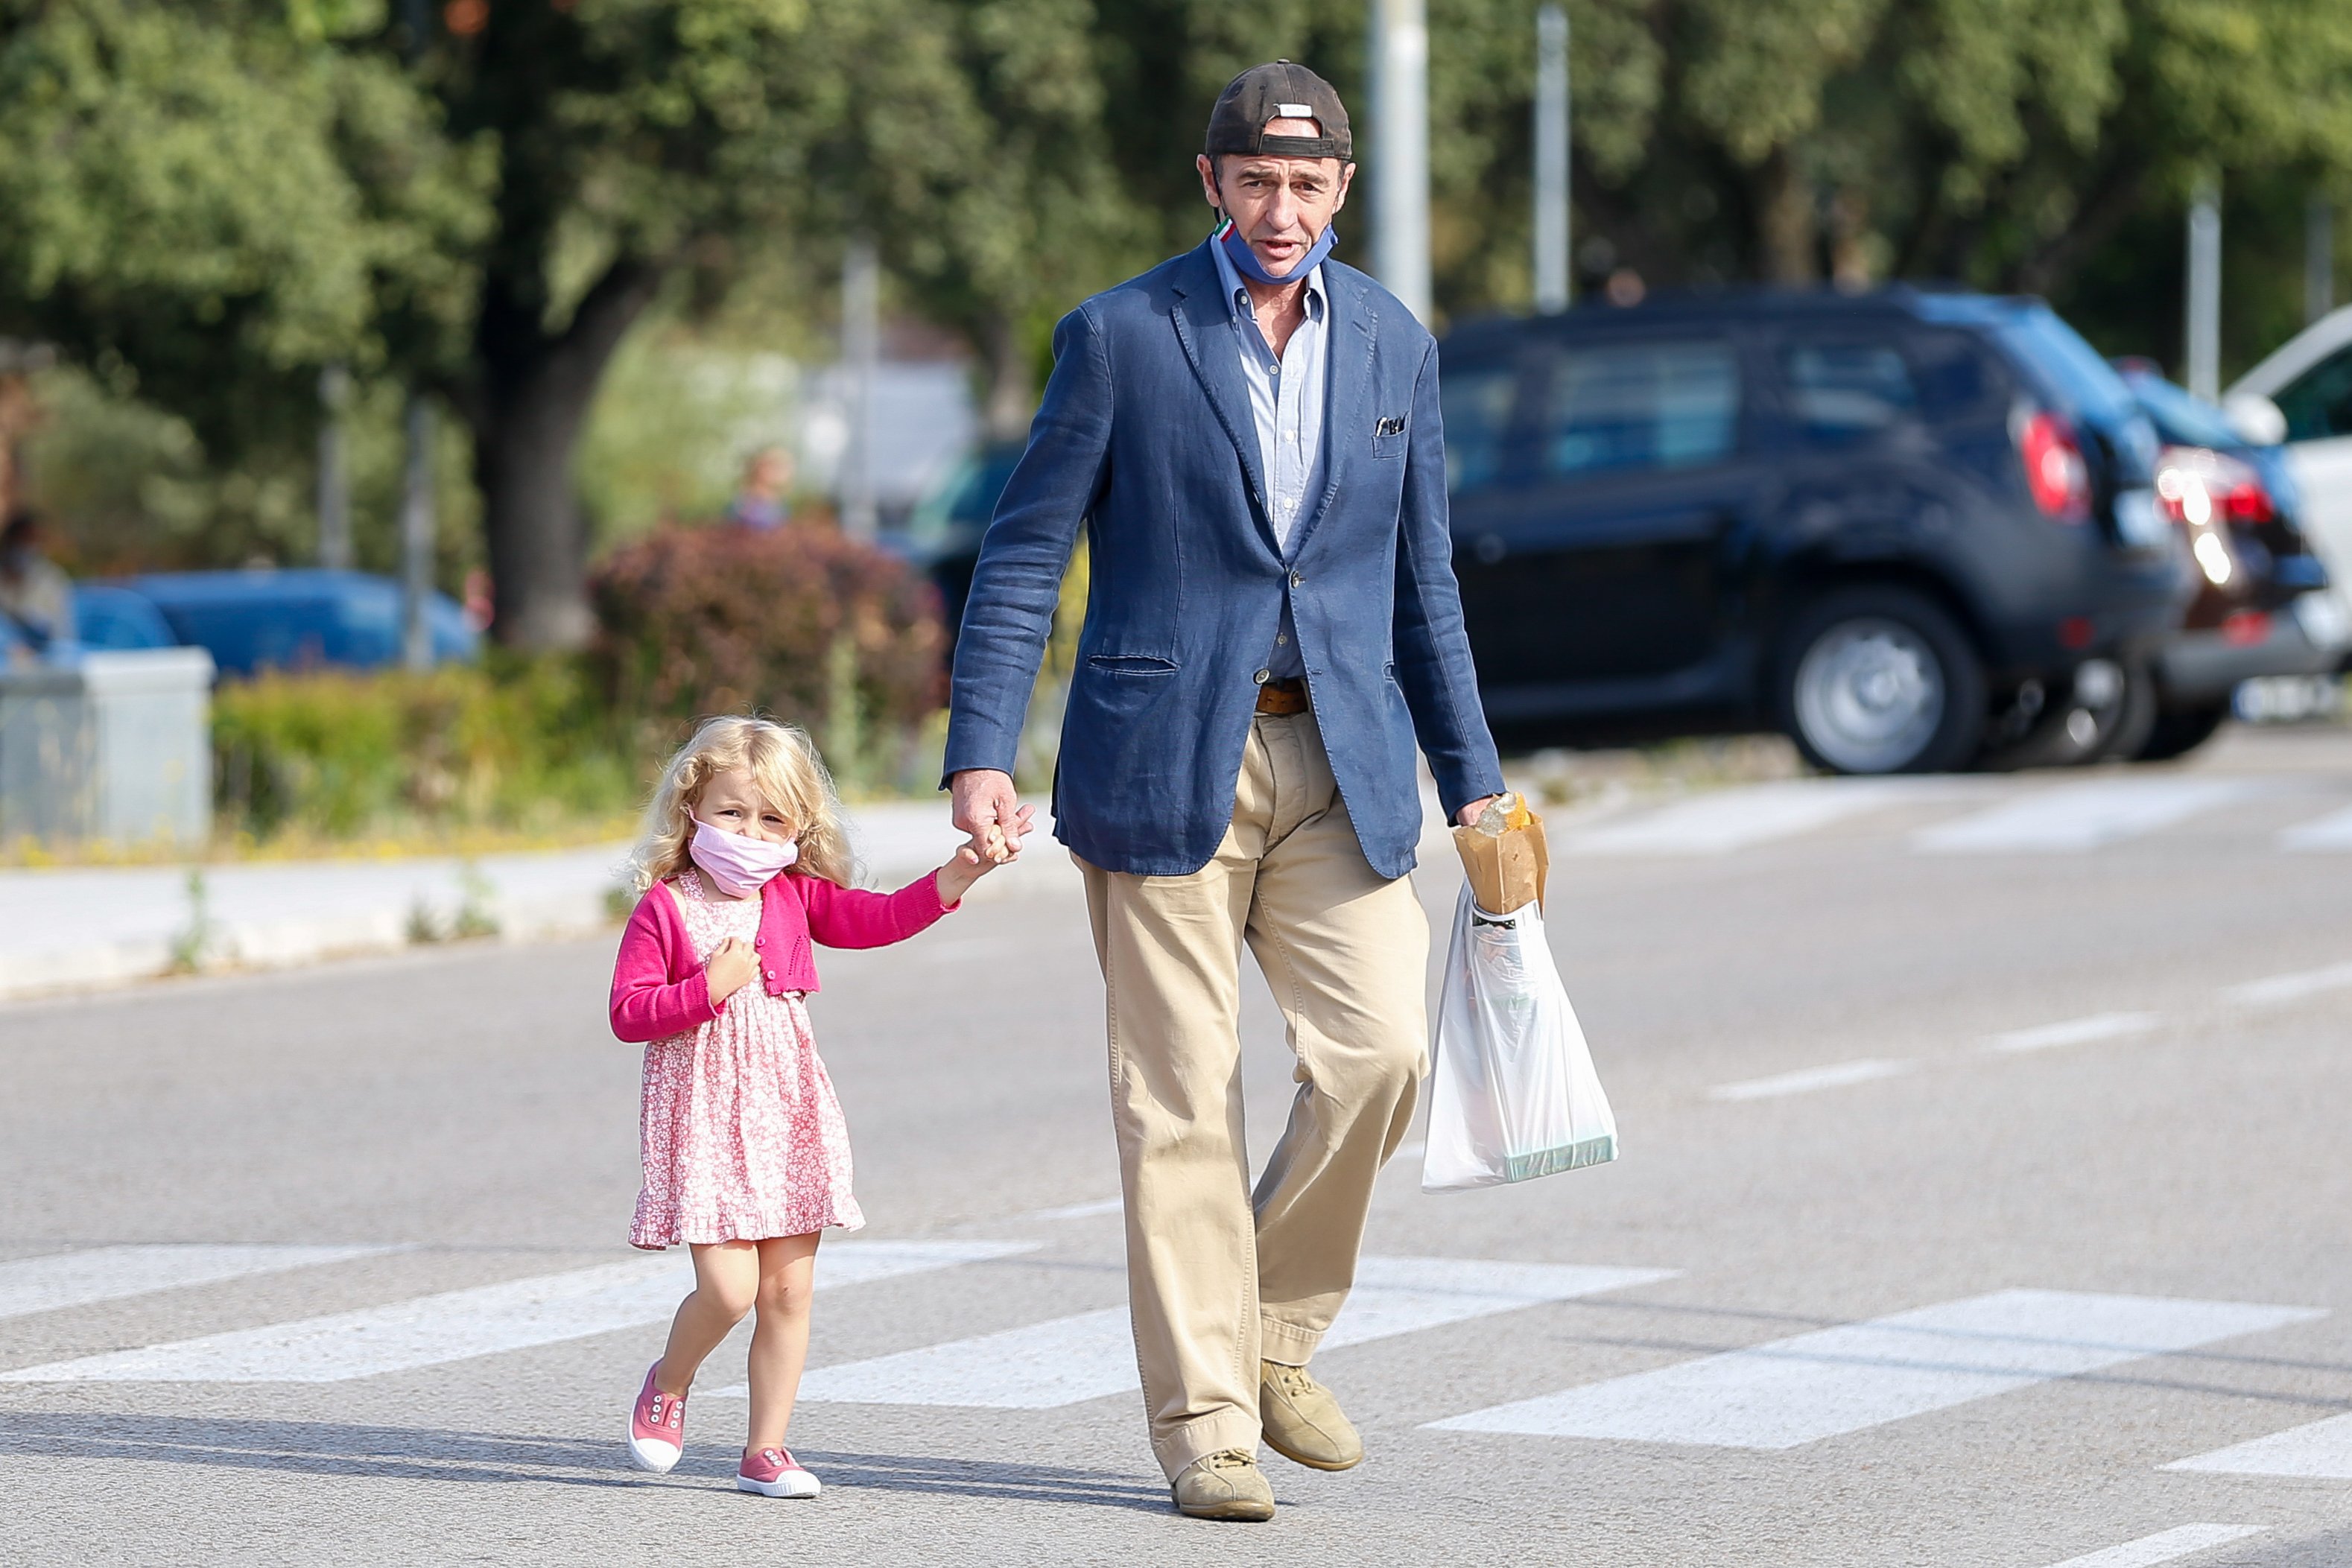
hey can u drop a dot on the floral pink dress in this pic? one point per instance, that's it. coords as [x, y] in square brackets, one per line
[742, 1136]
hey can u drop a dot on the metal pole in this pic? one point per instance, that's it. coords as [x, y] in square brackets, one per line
[1551, 160]
[417, 536]
[416, 519]
[2318, 258]
[2204, 323]
[1400, 150]
[861, 347]
[334, 471]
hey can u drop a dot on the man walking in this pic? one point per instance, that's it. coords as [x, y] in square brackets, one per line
[1250, 434]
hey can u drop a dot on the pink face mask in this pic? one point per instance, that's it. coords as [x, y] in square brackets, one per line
[737, 864]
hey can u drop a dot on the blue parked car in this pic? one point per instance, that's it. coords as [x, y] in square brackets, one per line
[115, 619]
[251, 621]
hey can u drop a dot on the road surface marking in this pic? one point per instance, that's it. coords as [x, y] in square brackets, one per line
[1730, 820]
[2075, 1031]
[2332, 832]
[2080, 816]
[2319, 1451]
[1091, 1355]
[1805, 1080]
[1823, 1385]
[2293, 988]
[1076, 1210]
[58, 1279]
[485, 1321]
[2163, 1546]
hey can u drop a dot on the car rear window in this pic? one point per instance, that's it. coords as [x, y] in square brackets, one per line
[1617, 407]
[2180, 418]
[2318, 403]
[1844, 394]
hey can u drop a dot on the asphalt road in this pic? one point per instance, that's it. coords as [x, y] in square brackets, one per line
[1984, 1156]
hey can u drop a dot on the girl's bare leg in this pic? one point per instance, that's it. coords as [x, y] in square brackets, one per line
[726, 1283]
[779, 1338]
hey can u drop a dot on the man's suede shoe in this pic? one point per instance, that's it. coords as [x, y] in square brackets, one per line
[1223, 1485]
[1303, 1423]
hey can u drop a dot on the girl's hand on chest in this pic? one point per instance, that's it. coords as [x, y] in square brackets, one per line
[733, 965]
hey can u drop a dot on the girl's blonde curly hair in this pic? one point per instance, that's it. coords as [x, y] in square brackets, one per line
[790, 776]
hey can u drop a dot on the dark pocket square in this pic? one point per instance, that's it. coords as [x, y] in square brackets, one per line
[1391, 426]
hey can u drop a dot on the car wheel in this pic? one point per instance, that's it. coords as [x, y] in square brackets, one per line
[2176, 734]
[2109, 711]
[1879, 680]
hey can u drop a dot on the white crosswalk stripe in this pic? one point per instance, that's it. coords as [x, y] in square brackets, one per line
[2075, 817]
[2165, 1546]
[56, 1280]
[2328, 833]
[487, 1320]
[2321, 1451]
[1839, 1380]
[2277, 989]
[1090, 1355]
[2075, 1031]
[1805, 1080]
[1729, 820]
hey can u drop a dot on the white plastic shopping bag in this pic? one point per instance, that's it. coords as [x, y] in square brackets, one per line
[1512, 1094]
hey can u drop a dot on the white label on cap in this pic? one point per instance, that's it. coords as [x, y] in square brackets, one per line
[1293, 111]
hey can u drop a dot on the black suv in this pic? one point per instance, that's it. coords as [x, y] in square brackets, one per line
[1913, 531]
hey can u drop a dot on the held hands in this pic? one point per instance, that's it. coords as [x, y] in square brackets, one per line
[732, 967]
[1468, 815]
[989, 808]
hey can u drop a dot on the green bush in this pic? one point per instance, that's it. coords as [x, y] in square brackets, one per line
[512, 746]
[802, 623]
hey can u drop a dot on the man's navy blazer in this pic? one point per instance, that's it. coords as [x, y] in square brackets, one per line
[1145, 436]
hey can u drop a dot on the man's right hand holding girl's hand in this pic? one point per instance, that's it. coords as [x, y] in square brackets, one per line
[732, 967]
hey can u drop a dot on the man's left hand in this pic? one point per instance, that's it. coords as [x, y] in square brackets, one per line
[1468, 815]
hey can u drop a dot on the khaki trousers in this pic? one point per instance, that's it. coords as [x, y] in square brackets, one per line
[1218, 1276]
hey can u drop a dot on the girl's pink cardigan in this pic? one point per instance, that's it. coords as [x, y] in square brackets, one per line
[657, 985]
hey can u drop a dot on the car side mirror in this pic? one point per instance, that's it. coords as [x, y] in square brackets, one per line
[2255, 417]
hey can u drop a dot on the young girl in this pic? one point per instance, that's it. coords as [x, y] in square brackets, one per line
[742, 862]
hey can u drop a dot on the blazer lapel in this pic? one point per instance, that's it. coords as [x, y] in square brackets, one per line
[1353, 328]
[1204, 324]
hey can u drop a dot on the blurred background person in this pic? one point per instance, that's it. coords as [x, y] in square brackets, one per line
[762, 500]
[35, 595]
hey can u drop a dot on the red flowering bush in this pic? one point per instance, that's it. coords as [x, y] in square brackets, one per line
[802, 623]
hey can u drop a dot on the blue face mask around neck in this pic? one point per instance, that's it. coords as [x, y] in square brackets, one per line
[1246, 263]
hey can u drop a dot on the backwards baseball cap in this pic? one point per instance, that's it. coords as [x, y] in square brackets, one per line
[1283, 90]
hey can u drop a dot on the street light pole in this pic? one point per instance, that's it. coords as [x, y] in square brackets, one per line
[417, 523]
[2204, 316]
[1400, 150]
[1551, 160]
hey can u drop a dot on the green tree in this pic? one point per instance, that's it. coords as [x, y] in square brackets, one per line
[207, 201]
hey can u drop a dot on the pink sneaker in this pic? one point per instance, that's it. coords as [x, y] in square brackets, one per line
[773, 1473]
[657, 1426]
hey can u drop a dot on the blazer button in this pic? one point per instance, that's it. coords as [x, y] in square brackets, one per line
[758, 941]
[771, 974]
[1296, 580]
[1263, 676]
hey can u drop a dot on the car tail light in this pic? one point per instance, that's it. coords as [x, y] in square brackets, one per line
[2054, 469]
[2246, 628]
[2197, 486]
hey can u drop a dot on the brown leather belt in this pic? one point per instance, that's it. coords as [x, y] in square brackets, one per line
[1282, 697]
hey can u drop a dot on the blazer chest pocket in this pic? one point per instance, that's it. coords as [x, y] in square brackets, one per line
[1389, 444]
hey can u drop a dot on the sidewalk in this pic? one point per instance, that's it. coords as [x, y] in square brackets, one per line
[75, 928]
[72, 928]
